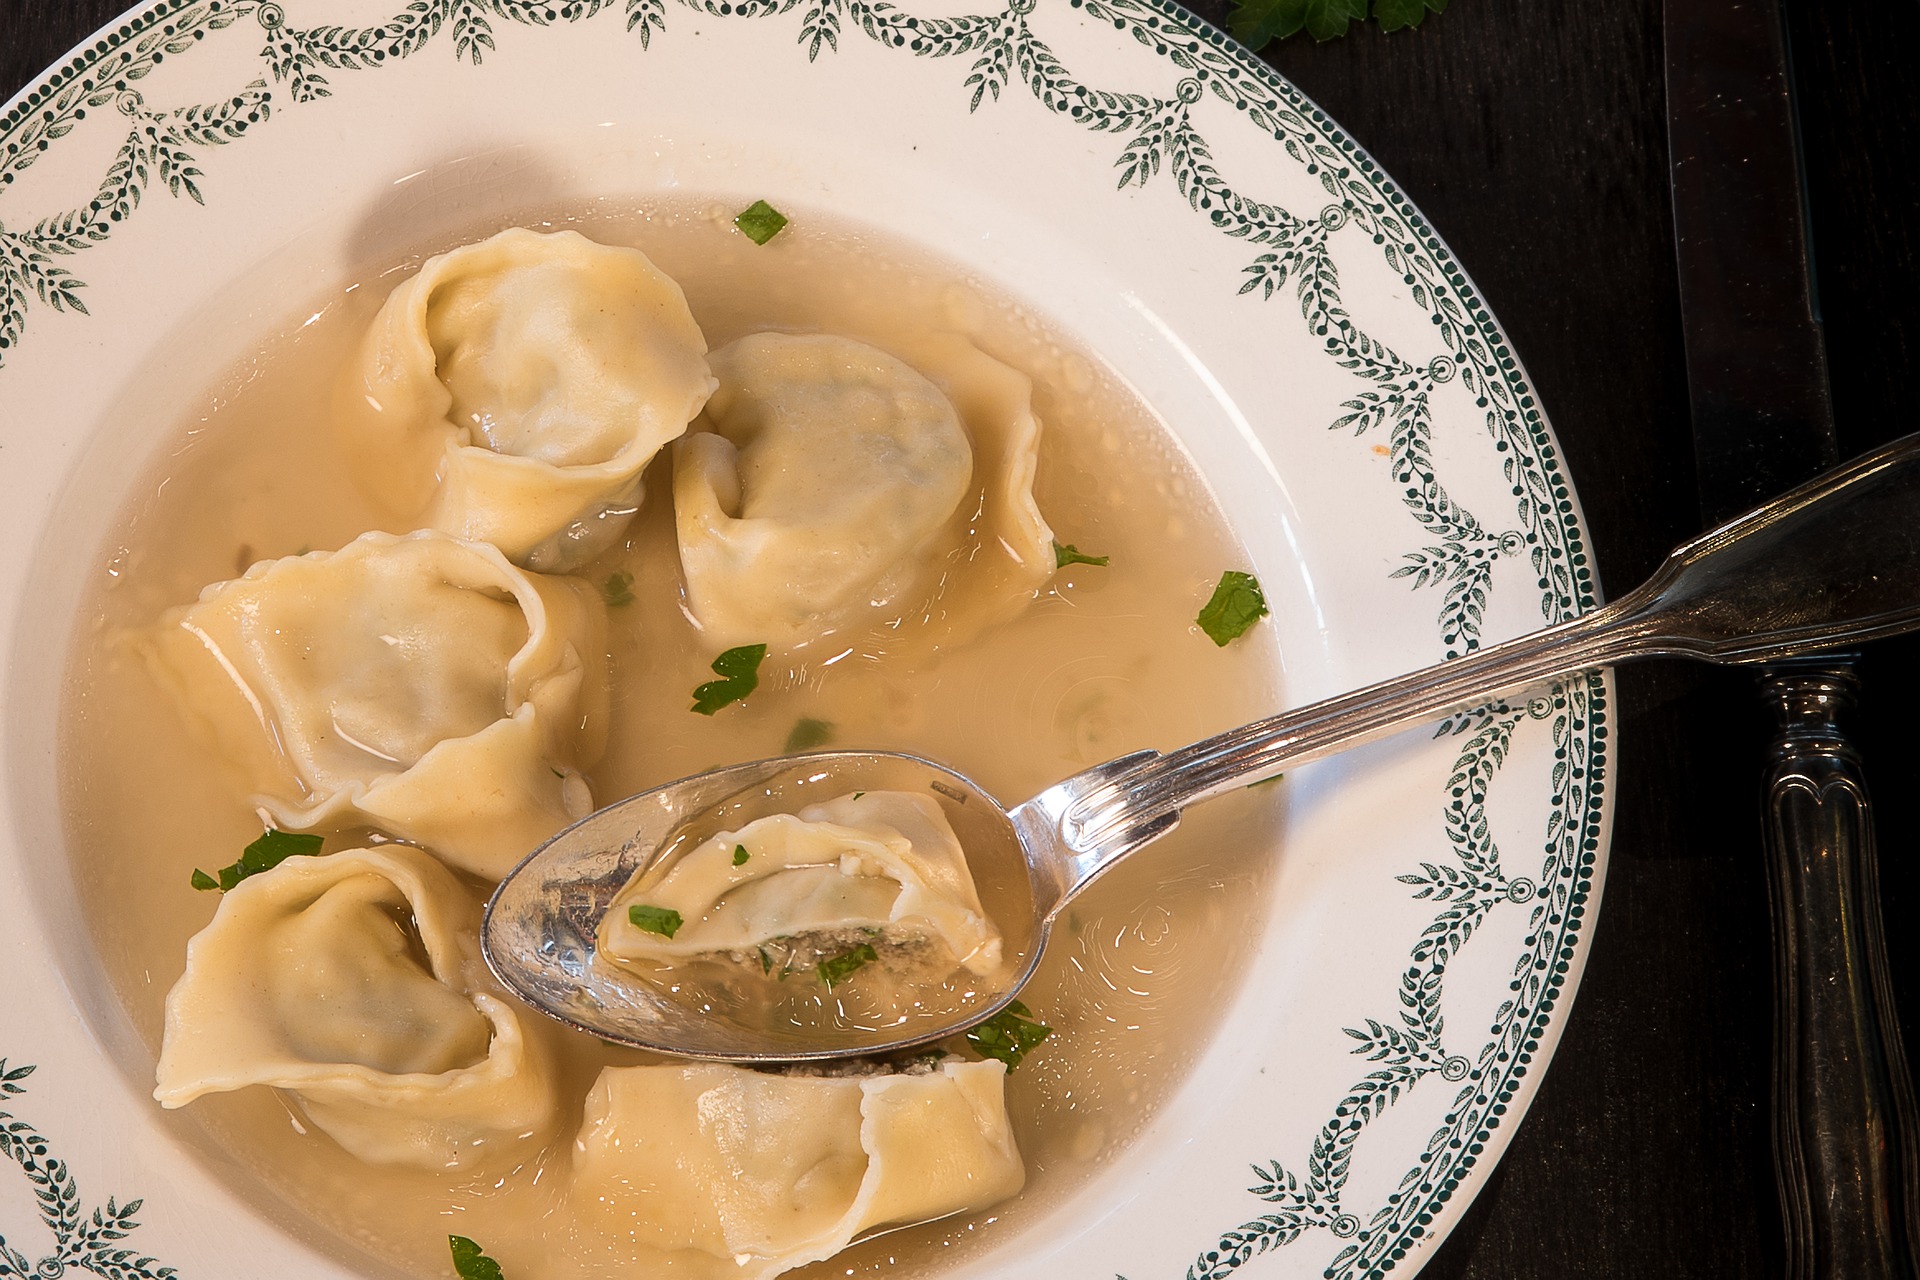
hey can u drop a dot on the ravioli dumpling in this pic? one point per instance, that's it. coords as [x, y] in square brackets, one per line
[421, 685]
[840, 487]
[513, 391]
[879, 862]
[353, 981]
[769, 1172]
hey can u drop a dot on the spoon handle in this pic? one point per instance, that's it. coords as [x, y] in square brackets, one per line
[1833, 562]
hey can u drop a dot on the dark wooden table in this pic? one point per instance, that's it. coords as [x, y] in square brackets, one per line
[1534, 136]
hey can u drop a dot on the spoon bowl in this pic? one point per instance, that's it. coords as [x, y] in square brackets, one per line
[541, 929]
[1833, 563]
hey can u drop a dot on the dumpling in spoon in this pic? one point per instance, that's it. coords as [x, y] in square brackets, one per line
[352, 981]
[421, 685]
[875, 866]
[744, 1174]
[513, 391]
[838, 489]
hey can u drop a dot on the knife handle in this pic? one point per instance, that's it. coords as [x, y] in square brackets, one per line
[1844, 1138]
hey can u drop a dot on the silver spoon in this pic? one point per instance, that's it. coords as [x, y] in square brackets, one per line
[1832, 563]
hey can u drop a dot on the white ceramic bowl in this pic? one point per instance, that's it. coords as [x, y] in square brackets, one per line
[1129, 173]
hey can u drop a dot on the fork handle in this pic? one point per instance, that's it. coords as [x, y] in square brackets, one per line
[1844, 1136]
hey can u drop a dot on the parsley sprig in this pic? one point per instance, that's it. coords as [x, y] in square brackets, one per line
[809, 733]
[835, 970]
[1255, 22]
[760, 222]
[739, 672]
[1065, 553]
[264, 854]
[1237, 604]
[470, 1262]
[1009, 1035]
[664, 921]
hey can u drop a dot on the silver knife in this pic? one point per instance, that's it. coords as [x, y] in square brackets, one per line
[1845, 1153]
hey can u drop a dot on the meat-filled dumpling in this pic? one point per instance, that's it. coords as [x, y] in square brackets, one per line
[770, 1172]
[841, 488]
[884, 864]
[421, 685]
[513, 391]
[352, 980]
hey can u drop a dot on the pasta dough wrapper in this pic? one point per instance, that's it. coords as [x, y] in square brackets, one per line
[513, 390]
[764, 1173]
[307, 980]
[840, 488]
[886, 861]
[422, 685]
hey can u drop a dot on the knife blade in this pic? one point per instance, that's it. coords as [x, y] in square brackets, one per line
[1844, 1135]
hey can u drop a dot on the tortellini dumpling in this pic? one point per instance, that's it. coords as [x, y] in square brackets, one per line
[513, 391]
[763, 1173]
[353, 981]
[881, 861]
[421, 685]
[840, 487]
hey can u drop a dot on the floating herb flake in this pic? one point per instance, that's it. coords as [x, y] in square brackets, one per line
[837, 969]
[808, 734]
[1066, 554]
[264, 854]
[740, 855]
[760, 222]
[470, 1262]
[617, 590]
[739, 672]
[664, 921]
[1237, 604]
[1009, 1035]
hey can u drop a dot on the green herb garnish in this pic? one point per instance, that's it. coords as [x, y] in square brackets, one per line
[760, 222]
[808, 734]
[664, 921]
[1255, 22]
[1266, 782]
[1008, 1035]
[1236, 605]
[264, 854]
[1066, 554]
[470, 1263]
[617, 590]
[739, 672]
[740, 855]
[837, 969]
[766, 961]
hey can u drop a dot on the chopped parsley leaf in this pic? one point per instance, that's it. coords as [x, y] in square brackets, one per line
[766, 962]
[617, 590]
[1236, 605]
[664, 921]
[740, 855]
[837, 969]
[1009, 1035]
[808, 734]
[858, 794]
[1265, 781]
[760, 222]
[1064, 555]
[470, 1263]
[739, 672]
[264, 854]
